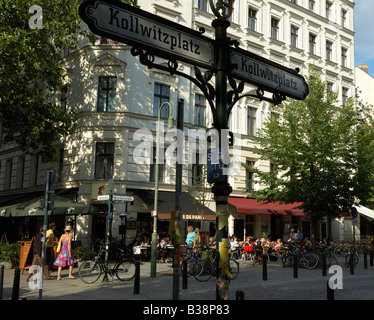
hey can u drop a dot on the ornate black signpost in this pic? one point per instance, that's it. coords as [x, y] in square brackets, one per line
[150, 36]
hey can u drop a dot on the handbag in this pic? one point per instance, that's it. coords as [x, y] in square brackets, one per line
[59, 246]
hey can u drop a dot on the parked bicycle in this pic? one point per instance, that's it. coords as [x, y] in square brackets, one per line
[205, 268]
[306, 259]
[352, 258]
[91, 270]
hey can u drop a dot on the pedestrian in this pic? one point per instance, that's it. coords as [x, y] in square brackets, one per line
[65, 257]
[50, 242]
[37, 256]
[190, 236]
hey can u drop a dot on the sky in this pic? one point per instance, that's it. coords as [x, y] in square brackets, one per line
[364, 33]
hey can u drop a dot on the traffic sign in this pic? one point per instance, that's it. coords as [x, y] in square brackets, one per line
[122, 22]
[215, 166]
[267, 74]
[354, 213]
[115, 198]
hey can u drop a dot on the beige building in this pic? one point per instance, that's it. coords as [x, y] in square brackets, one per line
[116, 97]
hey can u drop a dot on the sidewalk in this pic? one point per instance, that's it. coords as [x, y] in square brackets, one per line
[280, 285]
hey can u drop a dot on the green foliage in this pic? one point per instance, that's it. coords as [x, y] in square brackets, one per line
[10, 252]
[30, 72]
[322, 153]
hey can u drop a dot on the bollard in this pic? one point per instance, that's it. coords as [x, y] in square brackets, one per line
[330, 292]
[295, 265]
[264, 267]
[184, 274]
[16, 280]
[324, 271]
[365, 260]
[371, 257]
[239, 295]
[351, 264]
[1, 281]
[137, 277]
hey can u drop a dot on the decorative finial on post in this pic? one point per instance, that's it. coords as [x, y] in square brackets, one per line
[222, 8]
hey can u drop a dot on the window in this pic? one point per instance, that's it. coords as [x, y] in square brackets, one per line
[328, 51]
[200, 107]
[251, 121]
[203, 5]
[107, 41]
[274, 28]
[249, 184]
[8, 174]
[252, 19]
[344, 18]
[107, 94]
[161, 95]
[104, 160]
[312, 43]
[293, 1]
[344, 95]
[152, 169]
[63, 99]
[329, 89]
[328, 9]
[197, 171]
[344, 57]
[312, 5]
[20, 171]
[294, 36]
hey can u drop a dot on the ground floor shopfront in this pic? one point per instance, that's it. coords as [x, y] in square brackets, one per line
[247, 217]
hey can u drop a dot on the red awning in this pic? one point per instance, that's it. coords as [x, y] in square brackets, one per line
[244, 205]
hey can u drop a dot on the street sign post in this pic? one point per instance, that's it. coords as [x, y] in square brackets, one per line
[139, 28]
[152, 36]
[267, 74]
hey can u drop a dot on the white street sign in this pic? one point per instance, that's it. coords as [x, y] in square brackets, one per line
[268, 75]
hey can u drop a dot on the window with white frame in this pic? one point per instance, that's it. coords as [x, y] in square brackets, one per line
[199, 110]
[329, 45]
[252, 19]
[107, 94]
[274, 28]
[104, 160]
[294, 36]
[312, 43]
[160, 96]
[344, 57]
[251, 121]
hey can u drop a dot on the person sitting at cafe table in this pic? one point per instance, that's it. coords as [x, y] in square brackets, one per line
[163, 247]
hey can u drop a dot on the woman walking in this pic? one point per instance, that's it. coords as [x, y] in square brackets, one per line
[65, 257]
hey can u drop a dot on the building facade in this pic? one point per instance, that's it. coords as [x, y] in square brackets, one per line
[117, 100]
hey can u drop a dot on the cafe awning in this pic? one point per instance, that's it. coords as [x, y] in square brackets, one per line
[34, 207]
[190, 209]
[365, 211]
[252, 206]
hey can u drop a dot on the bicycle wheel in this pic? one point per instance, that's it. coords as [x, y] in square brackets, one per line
[233, 268]
[310, 260]
[125, 270]
[204, 270]
[355, 259]
[89, 271]
[287, 260]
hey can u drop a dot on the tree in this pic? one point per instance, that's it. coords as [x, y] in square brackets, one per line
[31, 71]
[322, 154]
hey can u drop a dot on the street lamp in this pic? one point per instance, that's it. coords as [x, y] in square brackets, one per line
[154, 234]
